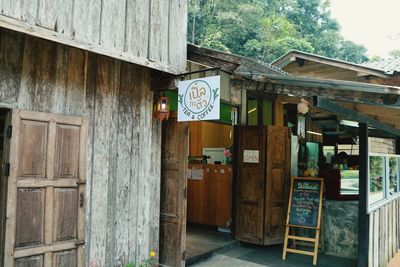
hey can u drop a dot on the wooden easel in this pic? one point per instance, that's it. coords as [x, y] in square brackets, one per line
[315, 240]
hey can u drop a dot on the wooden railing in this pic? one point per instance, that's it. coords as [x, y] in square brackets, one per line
[384, 233]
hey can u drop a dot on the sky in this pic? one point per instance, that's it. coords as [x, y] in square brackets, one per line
[372, 23]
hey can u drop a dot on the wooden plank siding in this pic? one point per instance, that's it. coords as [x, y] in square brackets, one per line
[123, 147]
[384, 234]
[151, 33]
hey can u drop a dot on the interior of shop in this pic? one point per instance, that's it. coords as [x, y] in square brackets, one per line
[327, 146]
[323, 144]
[209, 187]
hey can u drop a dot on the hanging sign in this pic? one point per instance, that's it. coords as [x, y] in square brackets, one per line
[199, 99]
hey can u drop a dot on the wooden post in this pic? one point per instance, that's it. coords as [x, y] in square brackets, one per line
[363, 218]
[397, 145]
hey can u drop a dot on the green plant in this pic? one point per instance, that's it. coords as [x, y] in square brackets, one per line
[146, 263]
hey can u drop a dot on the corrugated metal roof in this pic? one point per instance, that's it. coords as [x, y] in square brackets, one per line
[389, 66]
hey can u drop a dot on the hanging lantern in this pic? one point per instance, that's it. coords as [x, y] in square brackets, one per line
[303, 107]
[161, 108]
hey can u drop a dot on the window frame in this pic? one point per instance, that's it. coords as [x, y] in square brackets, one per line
[387, 196]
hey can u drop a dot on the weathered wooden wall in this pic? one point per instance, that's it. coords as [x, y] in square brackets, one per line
[384, 234]
[146, 32]
[123, 161]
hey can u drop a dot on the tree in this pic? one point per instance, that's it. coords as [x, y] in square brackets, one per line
[395, 53]
[266, 29]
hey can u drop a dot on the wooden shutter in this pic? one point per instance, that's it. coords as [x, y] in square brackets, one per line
[173, 192]
[277, 183]
[250, 185]
[46, 191]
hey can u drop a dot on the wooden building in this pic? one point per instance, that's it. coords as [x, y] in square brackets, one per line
[386, 72]
[266, 95]
[81, 154]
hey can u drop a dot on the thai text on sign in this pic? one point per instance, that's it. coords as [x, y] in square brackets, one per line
[199, 99]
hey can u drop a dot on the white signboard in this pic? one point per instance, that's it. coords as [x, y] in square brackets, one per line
[199, 99]
[251, 156]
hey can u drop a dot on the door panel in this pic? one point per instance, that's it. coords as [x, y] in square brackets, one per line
[250, 185]
[34, 261]
[174, 156]
[277, 182]
[32, 154]
[46, 190]
[30, 217]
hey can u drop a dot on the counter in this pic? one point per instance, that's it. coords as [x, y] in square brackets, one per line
[209, 198]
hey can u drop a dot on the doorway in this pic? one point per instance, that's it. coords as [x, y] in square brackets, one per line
[209, 189]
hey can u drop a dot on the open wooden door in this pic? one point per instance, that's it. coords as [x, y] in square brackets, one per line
[174, 155]
[250, 184]
[277, 183]
[46, 191]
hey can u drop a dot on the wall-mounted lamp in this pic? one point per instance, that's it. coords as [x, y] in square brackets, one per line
[161, 108]
[303, 107]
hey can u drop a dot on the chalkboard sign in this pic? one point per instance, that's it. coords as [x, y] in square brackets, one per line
[305, 202]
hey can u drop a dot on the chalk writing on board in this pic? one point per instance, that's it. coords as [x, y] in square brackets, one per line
[305, 202]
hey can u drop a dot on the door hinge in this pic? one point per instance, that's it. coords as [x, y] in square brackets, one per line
[9, 131]
[185, 193]
[7, 169]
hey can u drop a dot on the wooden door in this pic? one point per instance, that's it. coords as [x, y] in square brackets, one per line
[277, 183]
[46, 191]
[250, 184]
[174, 155]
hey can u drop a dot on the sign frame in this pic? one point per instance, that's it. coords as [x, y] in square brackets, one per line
[251, 156]
[317, 228]
[199, 99]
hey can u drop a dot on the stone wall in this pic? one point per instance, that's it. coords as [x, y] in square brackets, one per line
[340, 228]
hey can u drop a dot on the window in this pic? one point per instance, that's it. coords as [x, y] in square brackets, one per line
[384, 178]
[376, 181]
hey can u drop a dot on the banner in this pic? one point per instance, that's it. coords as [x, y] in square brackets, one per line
[199, 99]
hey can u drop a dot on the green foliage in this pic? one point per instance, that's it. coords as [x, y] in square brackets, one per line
[395, 53]
[267, 29]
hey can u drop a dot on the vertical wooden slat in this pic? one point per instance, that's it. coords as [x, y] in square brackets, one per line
[55, 15]
[86, 20]
[159, 22]
[390, 230]
[135, 162]
[371, 240]
[137, 27]
[11, 45]
[155, 185]
[113, 180]
[101, 158]
[90, 85]
[177, 33]
[112, 35]
[376, 238]
[75, 89]
[144, 190]
[123, 167]
[39, 75]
